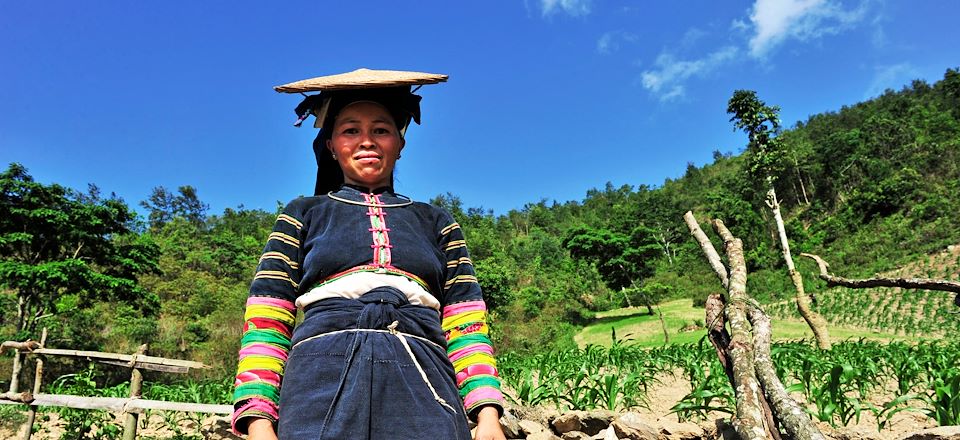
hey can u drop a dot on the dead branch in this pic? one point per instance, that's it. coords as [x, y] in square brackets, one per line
[27, 345]
[906, 283]
[21, 397]
[717, 331]
[750, 420]
[746, 354]
[708, 250]
[790, 414]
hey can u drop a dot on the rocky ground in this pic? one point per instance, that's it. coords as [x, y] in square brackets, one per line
[537, 423]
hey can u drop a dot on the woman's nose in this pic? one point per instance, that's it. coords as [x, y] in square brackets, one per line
[367, 141]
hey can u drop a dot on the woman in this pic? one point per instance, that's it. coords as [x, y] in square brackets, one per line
[394, 341]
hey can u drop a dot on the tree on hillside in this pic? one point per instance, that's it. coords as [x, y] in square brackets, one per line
[164, 206]
[622, 260]
[766, 157]
[205, 272]
[57, 245]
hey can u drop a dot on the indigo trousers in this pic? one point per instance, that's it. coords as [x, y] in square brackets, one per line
[370, 368]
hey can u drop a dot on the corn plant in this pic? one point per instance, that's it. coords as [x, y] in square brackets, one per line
[84, 424]
[713, 393]
[944, 398]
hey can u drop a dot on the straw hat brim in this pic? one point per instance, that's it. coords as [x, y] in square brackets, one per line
[362, 79]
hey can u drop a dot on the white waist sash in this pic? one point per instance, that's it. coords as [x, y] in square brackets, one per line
[353, 286]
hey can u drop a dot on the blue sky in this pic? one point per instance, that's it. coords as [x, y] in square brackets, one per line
[546, 98]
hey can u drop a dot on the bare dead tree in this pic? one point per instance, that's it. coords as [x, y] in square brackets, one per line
[813, 319]
[747, 348]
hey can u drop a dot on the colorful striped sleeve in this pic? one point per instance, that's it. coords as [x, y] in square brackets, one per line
[465, 327]
[268, 325]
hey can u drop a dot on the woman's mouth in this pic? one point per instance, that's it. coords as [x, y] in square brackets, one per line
[367, 158]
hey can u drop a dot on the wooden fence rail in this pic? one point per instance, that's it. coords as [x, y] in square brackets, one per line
[132, 406]
[119, 404]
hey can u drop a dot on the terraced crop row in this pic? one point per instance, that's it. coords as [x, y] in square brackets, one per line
[838, 385]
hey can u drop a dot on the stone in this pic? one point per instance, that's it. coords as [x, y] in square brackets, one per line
[855, 433]
[681, 430]
[530, 427]
[589, 422]
[938, 433]
[609, 434]
[543, 435]
[630, 426]
[539, 414]
[218, 428]
[575, 435]
[726, 431]
[511, 425]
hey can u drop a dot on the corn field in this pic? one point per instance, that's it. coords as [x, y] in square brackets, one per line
[854, 378]
[909, 312]
[838, 385]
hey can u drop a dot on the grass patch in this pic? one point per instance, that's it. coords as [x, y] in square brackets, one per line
[638, 328]
[12, 416]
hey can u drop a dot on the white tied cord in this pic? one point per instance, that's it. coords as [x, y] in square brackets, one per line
[393, 331]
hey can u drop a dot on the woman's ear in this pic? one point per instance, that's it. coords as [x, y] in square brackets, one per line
[329, 143]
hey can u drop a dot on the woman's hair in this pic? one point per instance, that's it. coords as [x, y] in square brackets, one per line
[402, 105]
[329, 174]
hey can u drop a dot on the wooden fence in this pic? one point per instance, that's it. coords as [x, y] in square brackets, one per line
[132, 406]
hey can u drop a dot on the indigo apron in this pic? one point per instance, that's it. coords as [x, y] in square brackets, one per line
[370, 368]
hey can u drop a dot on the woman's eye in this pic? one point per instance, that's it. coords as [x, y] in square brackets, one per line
[350, 130]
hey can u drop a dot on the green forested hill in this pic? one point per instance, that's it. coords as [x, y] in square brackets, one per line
[870, 187]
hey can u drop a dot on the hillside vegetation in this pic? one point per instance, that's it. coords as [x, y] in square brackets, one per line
[870, 187]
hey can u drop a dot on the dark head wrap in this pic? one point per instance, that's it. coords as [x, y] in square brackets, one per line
[402, 104]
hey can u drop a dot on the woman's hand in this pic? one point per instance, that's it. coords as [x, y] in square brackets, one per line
[261, 429]
[488, 425]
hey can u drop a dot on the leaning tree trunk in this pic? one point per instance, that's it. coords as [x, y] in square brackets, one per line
[745, 351]
[750, 416]
[813, 319]
[623, 290]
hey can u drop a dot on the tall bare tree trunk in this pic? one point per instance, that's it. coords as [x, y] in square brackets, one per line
[21, 312]
[802, 187]
[623, 290]
[663, 325]
[813, 319]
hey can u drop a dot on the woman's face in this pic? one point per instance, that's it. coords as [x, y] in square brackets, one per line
[367, 144]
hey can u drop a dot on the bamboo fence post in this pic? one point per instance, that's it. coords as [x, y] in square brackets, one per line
[136, 384]
[37, 378]
[15, 378]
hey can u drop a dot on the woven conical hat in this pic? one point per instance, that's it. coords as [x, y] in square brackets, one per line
[361, 79]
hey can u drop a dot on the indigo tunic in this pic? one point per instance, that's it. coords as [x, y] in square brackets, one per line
[377, 366]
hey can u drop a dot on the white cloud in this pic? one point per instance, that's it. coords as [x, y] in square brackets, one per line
[575, 8]
[691, 37]
[890, 77]
[739, 25]
[666, 81]
[609, 42]
[775, 21]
